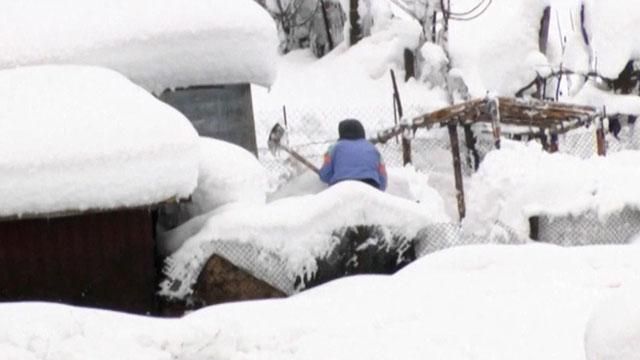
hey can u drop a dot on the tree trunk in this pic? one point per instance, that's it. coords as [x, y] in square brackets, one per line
[355, 31]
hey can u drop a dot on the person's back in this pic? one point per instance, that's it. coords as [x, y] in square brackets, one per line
[353, 158]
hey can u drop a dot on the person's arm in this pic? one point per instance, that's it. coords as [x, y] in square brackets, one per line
[326, 171]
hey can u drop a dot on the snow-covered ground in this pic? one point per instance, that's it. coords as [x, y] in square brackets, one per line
[476, 302]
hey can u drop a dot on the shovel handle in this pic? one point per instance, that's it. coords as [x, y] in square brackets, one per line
[300, 158]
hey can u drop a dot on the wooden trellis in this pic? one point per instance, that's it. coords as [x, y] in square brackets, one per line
[512, 117]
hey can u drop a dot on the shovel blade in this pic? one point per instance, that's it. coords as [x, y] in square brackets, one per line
[275, 137]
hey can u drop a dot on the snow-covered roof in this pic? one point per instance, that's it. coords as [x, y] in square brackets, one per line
[79, 137]
[157, 45]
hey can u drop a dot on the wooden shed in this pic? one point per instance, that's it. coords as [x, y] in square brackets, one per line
[82, 175]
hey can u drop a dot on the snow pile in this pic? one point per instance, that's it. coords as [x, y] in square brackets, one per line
[49, 331]
[78, 138]
[611, 27]
[297, 230]
[613, 331]
[405, 182]
[227, 173]
[158, 46]
[607, 101]
[477, 302]
[498, 51]
[522, 180]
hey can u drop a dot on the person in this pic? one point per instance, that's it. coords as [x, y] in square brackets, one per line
[353, 157]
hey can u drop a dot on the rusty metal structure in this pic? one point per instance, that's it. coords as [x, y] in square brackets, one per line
[515, 118]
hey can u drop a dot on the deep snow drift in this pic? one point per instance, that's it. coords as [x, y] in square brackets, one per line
[78, 138]
[227, 174]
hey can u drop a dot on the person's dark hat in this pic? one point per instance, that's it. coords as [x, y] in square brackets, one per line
[350, 129]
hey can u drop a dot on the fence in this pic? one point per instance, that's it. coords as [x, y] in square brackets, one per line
[311, 130]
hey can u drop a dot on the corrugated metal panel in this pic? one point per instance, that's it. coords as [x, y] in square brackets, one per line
[104, 260]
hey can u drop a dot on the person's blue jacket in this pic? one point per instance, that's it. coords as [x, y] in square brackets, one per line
[355, 159]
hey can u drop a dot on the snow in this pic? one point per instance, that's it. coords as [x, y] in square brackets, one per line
[610, 26]
[289, 228]
[404, 182]
[607, 101]
[227, 173]
[521, 180]
[79, 138]
[509, 35]
[474, 302]
[613, 330]
[158, 46]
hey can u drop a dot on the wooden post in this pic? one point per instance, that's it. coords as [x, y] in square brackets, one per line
[600, 141]
[325, 18]
[544, 140]
[355, 31]
[470, 142]
[543, 40]
[409, 64]
[284, 116]
[543, 35]
[457, 170]
[494, 111]
[406, 144]
[406, 130]
[534, 228]
[553, 145]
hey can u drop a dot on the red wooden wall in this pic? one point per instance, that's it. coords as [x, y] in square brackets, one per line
[104, 260]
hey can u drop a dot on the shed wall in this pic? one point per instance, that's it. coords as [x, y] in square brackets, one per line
[104, 260]
[223, 112]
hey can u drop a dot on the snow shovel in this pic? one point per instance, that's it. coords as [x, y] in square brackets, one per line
[275, 143]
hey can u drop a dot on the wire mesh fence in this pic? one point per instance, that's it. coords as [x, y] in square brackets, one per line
[311, 130]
